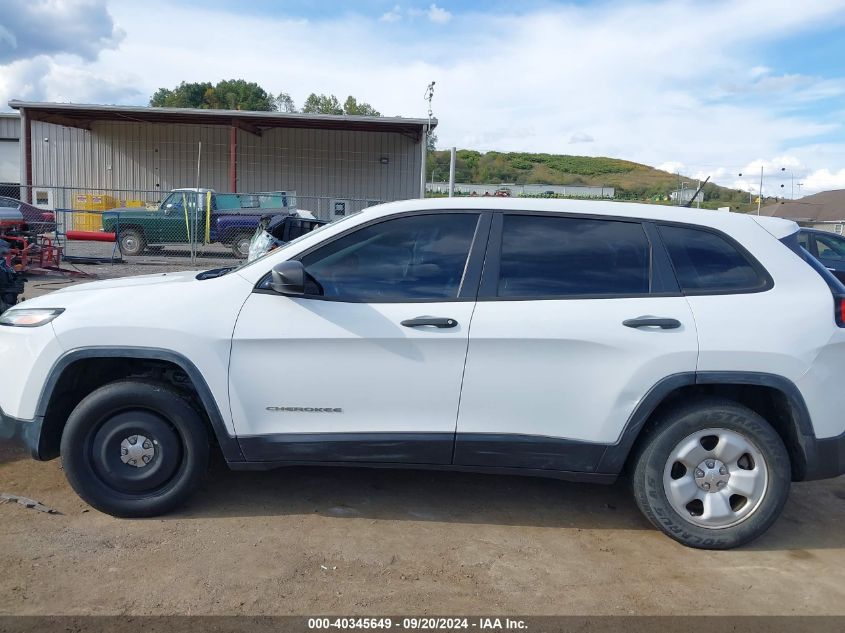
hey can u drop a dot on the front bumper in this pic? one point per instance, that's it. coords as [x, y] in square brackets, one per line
[26, 433]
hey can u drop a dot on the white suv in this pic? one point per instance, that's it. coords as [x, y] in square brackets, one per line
[699, 352]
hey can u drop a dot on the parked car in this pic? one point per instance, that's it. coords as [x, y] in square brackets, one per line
[38, 221]
[274, 231]
[195, 215]
[700, 353]
[827, 247]
[11, 281]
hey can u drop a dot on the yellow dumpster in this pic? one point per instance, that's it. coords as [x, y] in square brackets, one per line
[85, 206]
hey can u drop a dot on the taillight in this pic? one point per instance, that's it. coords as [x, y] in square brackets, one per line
[839, 310]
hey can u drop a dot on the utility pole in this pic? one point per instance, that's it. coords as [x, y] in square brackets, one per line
[429, 95]
[760, 193]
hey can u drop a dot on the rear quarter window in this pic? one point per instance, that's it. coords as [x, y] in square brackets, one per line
[707, 263]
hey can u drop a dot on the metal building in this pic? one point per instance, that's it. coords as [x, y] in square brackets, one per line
[141, 153]
[10, 131]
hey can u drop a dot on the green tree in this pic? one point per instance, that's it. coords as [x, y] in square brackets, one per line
[431, 142]
[237, 94]
[329, 104]
[284, 103]
[351, 106]
[229, 94]
[322, 104]
[185, 95]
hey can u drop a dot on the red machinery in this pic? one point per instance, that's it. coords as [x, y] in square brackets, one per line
[27, 249]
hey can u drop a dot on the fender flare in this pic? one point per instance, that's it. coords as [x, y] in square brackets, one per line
[228, 444]
[616, 455]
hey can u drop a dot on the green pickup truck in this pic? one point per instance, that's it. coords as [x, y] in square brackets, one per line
[200, 216]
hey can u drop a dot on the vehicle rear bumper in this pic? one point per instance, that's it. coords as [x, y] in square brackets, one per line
[25, 433]
[825, 458]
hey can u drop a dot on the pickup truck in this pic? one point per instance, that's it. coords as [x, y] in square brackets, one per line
[200, 216]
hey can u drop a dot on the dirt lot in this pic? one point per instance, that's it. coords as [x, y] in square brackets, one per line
[323, 540]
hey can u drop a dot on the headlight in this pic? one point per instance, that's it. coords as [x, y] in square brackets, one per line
[31, 317]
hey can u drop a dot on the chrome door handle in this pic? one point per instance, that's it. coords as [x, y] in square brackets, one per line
[662, 323]
[441, 322]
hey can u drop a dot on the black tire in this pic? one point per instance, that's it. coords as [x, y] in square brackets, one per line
[652, 462]
[240, 245]
[96, 435]
[132, 242]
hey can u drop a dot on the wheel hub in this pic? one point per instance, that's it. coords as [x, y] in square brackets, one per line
[715, 478]
[137, 451]
[711, 475]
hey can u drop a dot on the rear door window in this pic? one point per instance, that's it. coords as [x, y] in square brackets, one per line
[707, 263]
[548, 257]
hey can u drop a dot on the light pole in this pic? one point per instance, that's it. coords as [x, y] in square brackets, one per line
[760, 193]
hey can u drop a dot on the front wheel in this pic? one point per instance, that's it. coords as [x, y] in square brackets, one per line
[134, 449]
[132, 242]
[712, 475]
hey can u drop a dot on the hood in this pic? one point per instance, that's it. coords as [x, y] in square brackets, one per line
[124, 287]
[131, 211]
[130, 282]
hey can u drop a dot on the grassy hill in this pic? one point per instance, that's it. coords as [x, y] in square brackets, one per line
[632, 181]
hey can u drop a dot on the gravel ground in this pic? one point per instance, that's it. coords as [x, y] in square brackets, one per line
[323, 540]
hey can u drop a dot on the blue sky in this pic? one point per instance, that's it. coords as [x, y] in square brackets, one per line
[708, 88]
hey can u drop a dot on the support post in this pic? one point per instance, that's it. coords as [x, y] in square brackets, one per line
[452, 160]
[423, 158]
[26, 133]
[233, 159]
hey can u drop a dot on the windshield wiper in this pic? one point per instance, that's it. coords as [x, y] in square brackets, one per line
[215, 272]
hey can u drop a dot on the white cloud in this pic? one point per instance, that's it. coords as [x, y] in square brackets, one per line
[530, 81]
[394, 15]
[47, 79]
[438, 15]
[51, 27]
[672, 166]
[823, 180]
[580, 137]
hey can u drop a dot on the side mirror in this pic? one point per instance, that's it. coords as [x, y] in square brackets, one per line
[288, 278]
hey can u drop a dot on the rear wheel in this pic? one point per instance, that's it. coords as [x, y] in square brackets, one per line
[134, 449]
[240, 245]
[131, 242]
[712, 475]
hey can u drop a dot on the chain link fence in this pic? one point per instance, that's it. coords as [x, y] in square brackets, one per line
[183, 229]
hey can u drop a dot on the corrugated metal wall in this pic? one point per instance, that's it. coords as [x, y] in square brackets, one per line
[143, 157]
[10, 126]
[10, 153]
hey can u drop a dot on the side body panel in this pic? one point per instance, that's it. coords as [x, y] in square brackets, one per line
[788, 331]
[564, 369]
[305, 366]
[173, 312]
